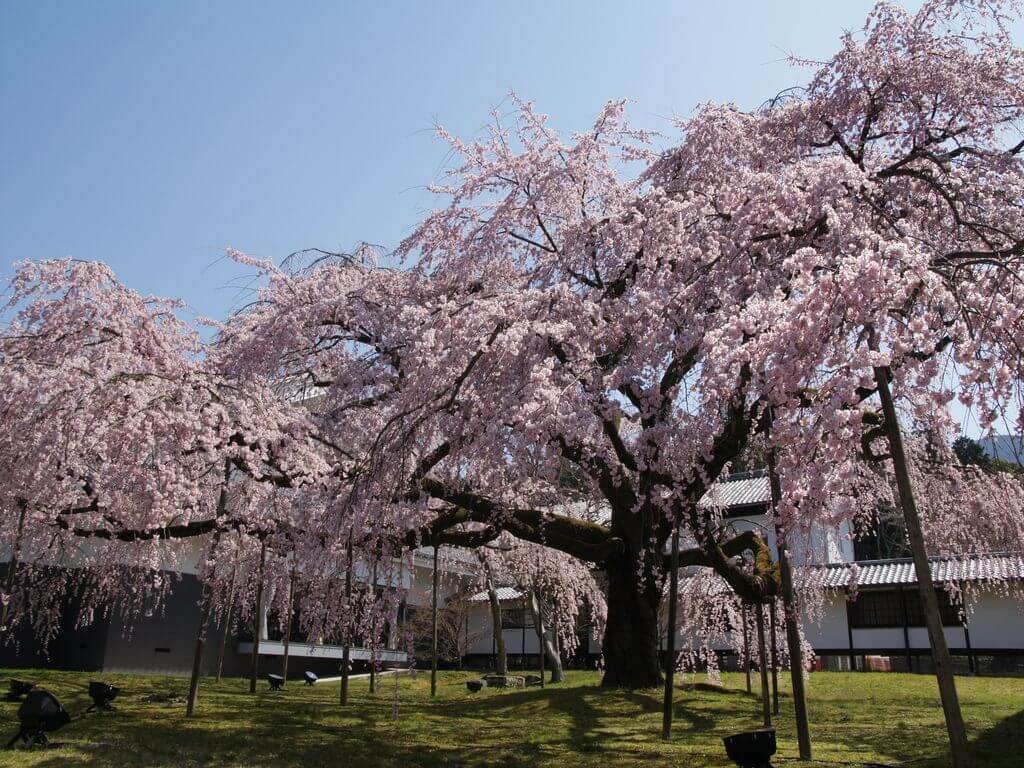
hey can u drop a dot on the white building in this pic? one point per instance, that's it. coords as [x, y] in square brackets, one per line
[870, 614]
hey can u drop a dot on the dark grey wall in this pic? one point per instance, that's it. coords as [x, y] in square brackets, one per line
[163, 643]
[75, 649]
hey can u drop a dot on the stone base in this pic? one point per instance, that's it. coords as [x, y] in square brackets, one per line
[506, 681]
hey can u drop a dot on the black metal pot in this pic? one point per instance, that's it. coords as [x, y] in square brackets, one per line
[102, 695]
[753, 749]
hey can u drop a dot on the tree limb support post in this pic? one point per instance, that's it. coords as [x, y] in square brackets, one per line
[774, 657]
[940, 651]
[257, 621]
[670, 650]
[288, 621]
[346, 653]
[790, 610]
[746, 646]
[433, 629]
[762, 650]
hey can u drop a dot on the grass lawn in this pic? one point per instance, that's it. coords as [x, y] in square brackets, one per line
[856, 718]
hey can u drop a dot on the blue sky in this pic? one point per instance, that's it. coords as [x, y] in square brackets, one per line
[153, 135]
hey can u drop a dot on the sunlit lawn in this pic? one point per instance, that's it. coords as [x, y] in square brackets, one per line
[855, 718]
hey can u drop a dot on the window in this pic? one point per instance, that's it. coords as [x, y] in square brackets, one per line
[876, 609]
[513, 618]
[885, 608]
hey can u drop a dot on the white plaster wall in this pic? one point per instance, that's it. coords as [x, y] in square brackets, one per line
[831, 631]
[997, 621]
[421, 584]
[918, 637]
[878, 638]
[480, 627]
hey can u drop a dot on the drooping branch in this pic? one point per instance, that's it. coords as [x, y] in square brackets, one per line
[580, 538]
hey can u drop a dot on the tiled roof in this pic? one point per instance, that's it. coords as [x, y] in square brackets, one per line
[739, 490]
[871, 573]
[504, 593]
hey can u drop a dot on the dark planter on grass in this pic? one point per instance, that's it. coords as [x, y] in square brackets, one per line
[753, 749]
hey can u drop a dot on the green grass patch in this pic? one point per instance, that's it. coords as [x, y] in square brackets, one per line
[856, 718]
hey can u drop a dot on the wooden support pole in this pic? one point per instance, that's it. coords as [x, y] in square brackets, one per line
[522, 641]
[197, 657]
[433, 630]
[205, 601]
[762, 650]
[906, 628]
[774, 657]
[670, 650]
[497, 631]
[789, 608]
[375, 640]
[746, 646]
[226, 624]
[288, 621]
[254, 667]
[540, 635]
[940, 651]
[346, 653]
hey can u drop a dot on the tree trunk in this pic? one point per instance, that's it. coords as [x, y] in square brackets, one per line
[631, 634]
[496, 628]
[555, 651]
[940, 651]
[548, 647]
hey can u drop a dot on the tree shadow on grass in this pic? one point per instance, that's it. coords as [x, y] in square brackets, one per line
[579, 724]
[1000, 746]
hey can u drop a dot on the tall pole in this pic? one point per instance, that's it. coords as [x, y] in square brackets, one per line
[346, 653]
[789, 607]
[497, 631]
[288, 621]
[762, 650]
[670, 650]
[257, 624]
[940, 651]
[433, 630]
[746, 646]
[197, 658]
[373, 641]
[226, 623]
[540, 634]
[774, 657]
